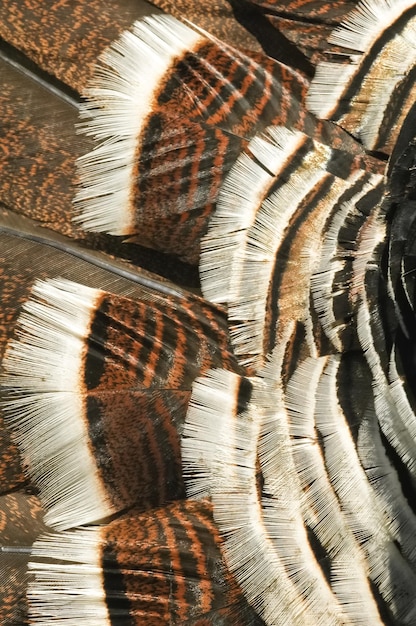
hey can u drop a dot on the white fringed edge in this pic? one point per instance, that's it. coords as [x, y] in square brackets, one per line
[401, 400]
[357, 499]
[388, 570]
[284, 507]
[242, 192]
[323, 277]
[322, 509]
[265, 544]
[371, 234]
[244, 274]
[363, 25]
[69, 591]
[240, 197]
[359, 32]
[391, 419]
[214, 466]
[387, 489]
[119, 100]
[45, 410]
[256, 261]
[391, 292]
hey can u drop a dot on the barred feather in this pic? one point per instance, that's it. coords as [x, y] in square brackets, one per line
[245, 457]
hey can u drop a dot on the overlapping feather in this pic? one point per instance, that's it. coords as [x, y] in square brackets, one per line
[301, 420]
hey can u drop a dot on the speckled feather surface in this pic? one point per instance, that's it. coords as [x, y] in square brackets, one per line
[242, 453]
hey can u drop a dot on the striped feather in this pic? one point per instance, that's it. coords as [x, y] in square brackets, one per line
[90, 371]
[171, 108]
[339, 275]
[282, 403]
[371, 528]
[272, 576]
[271, 238]
[391, 419]
[40, 146]
[158, 567]
[371, 94]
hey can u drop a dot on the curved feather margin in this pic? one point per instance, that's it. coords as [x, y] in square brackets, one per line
[163, 566]
[371, 94]
[120, 100]
[323, 511]
[45, 410]
[235, 428]
[96, 389]
[395, 415]
[266, 242]
[339, 275]
[370, 526]
[171, 108]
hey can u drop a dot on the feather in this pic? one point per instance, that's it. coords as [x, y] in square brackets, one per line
[41, 33]
[147, 150]
[40, 147]
[28, 253]
[372, 94]
[282, 403]
[392, 420]
[166, 96]
[21, 522]
[161, 567]
[266, 546]
[351, 486]
[306, 25]
[104, 365]
[271, 237]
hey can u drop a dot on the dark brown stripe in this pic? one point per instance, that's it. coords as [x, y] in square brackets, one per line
[397, 104]
[283, 254]
[245, 388]
[343, 301]
[344, 103]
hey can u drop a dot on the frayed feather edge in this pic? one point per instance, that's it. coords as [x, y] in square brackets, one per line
[42, 375]
[119, 100]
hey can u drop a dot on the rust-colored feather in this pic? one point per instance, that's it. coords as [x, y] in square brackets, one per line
[242, 457]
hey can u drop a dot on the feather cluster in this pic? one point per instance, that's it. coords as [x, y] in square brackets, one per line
[245, 454]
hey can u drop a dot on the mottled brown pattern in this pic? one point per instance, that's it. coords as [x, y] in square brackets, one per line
[215, 17]
[152, 345]
[21, 263]
[65, 37]
[39, 147]
[305, 24]
[140, 459]
[20, 523]
[172, 570]
[206, 108]
[142, 360]
[160, 566]
[11, 472]
[174, 200]
[21, 519]
[317, 10]
[312, 39]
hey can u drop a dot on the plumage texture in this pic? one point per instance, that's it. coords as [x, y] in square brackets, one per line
[242, 457]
